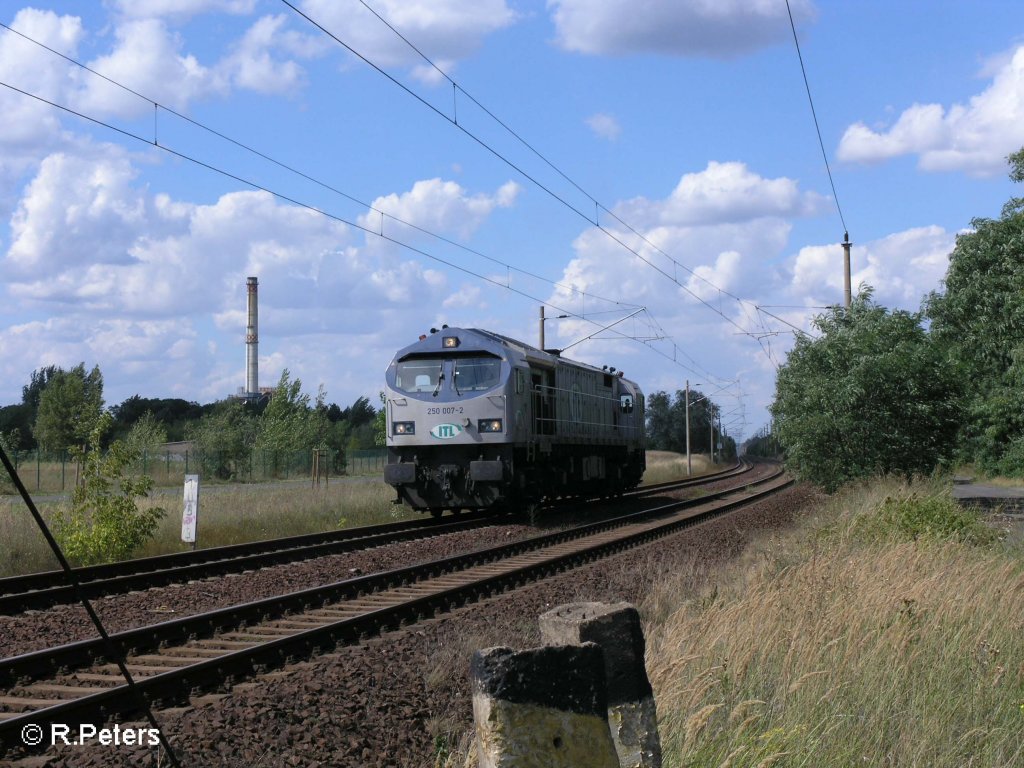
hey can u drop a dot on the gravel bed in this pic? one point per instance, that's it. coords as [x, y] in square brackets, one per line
[35, 630]
[401, 700]
[61, 624]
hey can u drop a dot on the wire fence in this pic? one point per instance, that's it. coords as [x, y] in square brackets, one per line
[58, 471]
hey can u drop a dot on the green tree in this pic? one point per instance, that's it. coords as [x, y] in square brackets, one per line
[31, 392]
[380, 426]
[69, 406]
[979, 321]
[104, 522]
[871, 395]
[173, 413]
[16, 422]
[659, 421]
[146, 435]
[666, 421]
[223, 439]
[289, 423]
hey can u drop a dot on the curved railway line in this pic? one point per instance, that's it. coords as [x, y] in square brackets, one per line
[174, 659]
[38, 591]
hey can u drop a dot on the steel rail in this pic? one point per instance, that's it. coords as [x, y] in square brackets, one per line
[41, 590]
[537, 557]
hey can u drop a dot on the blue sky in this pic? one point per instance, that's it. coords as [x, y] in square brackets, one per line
[681, 128]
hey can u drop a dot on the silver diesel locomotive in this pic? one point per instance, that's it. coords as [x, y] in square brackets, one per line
[475, 419]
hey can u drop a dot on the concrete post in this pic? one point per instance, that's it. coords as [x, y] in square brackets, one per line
[632, 717]
[847, 291]
[689, 463]
[541, 708]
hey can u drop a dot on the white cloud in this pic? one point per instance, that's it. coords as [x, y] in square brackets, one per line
[439, 206]
[31, 128]
[252, 64]
[725, 227]
[76, 211]
[444, 30]
[974, 138]
[721, 193]
[148, 59]
[130, 350]
[721, 29]
[128, 279]
[604, 126]
[707, 280]
[181, 10]
[466, 296]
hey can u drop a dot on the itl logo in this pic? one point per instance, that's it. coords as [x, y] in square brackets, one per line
[446, 431]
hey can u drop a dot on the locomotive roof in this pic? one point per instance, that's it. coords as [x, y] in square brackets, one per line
[432, 344]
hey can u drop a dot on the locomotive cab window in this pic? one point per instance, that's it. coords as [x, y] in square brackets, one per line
[626, 403]
[474, 374]
[418, 375]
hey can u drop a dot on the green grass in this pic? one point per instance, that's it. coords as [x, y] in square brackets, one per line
[232, 513]
[228, 514]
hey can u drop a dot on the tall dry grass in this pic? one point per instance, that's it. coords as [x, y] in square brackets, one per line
[22, 546]
[663, 466]
[228, 514]
[833, 645]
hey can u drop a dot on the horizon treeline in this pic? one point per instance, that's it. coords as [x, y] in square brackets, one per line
[60, 406]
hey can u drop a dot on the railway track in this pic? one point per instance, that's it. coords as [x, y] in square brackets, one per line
[75, 684]
[38, 591]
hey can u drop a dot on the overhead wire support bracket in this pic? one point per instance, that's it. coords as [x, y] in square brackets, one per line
[621, 319]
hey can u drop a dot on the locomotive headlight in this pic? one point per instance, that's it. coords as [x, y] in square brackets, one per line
[403, 428]
[450, 342]
[489, 425]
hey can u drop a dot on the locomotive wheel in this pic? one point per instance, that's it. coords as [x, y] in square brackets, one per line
[436, 512]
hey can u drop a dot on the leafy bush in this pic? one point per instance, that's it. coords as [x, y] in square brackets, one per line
[104, 522]
[913, 517]
[146, 435]
[870, 396]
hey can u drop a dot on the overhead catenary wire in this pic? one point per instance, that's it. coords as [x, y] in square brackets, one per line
[355, 225]
[598, 206]
[814, 115]
[291, 169]
[157, 106]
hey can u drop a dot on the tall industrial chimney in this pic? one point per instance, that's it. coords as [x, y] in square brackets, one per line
[252, 379]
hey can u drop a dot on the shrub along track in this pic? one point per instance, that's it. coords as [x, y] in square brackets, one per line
[40, 590]
[247, 639]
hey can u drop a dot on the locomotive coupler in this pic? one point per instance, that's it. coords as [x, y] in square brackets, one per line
[444, 477]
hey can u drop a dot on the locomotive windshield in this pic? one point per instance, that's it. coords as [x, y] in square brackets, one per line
[418, 375]
[459, 374]
[473, 374]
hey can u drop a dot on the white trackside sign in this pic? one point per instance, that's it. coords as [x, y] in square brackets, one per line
[190, 510]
